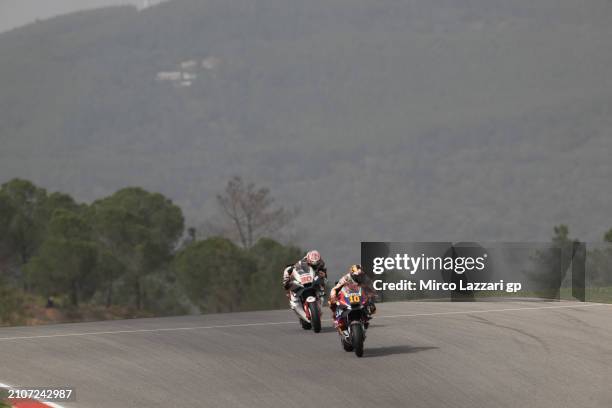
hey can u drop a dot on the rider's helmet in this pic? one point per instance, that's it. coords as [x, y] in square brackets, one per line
[313, 257]
[357, 274]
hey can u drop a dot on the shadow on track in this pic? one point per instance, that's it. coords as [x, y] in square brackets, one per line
[331, 329]
[388, 351]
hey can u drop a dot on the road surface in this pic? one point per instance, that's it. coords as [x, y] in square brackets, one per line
[418, 354]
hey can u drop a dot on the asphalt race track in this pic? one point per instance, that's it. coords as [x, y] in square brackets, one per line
[426, 354]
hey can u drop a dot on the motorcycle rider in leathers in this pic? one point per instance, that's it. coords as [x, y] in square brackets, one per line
[312, 259]
[358, 276]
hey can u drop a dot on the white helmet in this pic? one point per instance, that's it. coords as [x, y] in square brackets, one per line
[313, 257]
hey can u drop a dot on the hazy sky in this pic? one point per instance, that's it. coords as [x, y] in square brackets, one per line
[14, 13]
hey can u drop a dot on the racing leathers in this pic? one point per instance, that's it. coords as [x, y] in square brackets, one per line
[290, 286]
[363, 281]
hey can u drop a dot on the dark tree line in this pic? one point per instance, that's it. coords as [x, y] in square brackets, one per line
[566, 265]
[131, 249]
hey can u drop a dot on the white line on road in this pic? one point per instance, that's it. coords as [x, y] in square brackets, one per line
[144, 330]
[227, 326]
[492, 310]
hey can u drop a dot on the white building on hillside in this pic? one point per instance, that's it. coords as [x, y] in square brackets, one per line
[169, 76]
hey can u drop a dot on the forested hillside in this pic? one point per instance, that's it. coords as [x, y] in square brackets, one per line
[394, 120]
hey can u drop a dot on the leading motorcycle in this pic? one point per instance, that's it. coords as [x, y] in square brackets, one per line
[352, 317]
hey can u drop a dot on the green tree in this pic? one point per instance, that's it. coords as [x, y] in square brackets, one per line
[139, 230]
[25, 211]
[265, 290]
[7, 212]
[109, 269]
[608, 236]
[60, 201]
[550, 265]
[66, 261]
[599, 260]
[215, 274]
[26, 227]
[561, 235]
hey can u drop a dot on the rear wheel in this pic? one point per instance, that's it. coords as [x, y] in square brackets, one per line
[305, 325]
[315, 316]
[357, 338]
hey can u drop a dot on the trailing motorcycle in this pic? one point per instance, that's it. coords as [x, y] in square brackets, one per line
[307, 297]
[352, 317]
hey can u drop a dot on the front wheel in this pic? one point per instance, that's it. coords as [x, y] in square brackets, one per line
[346, 345]
[357, 337]
[315, 316]
[305, 324]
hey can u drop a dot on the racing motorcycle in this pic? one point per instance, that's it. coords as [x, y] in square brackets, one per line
[352, 317]
[308, 294]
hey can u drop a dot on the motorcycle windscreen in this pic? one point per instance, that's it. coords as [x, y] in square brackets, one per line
[305, 275]
[352, 295]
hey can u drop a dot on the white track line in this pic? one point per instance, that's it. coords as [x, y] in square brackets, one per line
[50, 404]
[226, 326]
[144, 330]
[490, 311]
